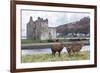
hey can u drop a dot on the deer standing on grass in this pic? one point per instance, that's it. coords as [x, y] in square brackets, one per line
[74, 48]
[56, 48]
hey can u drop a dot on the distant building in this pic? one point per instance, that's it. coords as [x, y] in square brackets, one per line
[39, 30]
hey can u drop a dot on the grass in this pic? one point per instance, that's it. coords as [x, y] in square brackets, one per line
[85, 55]
[27, 41]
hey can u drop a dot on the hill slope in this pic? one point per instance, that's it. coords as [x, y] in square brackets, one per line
[81, 26]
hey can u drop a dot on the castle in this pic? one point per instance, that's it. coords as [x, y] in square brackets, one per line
[39, 30]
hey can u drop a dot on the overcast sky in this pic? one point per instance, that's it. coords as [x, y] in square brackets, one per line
[54, 18]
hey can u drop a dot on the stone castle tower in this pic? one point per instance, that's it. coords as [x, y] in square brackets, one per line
[39, 30]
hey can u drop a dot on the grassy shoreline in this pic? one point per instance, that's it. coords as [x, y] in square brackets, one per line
[84, 55]
[29, 41]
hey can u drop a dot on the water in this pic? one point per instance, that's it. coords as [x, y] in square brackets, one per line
[47, 50]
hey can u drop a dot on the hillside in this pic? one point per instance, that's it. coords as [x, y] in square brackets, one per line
[81, 26]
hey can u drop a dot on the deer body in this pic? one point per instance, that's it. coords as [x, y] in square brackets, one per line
[74, 48]
[56, 48]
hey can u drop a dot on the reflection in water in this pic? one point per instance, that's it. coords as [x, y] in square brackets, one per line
[46, 50]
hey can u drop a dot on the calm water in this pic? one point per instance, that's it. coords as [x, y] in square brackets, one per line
[46, 50]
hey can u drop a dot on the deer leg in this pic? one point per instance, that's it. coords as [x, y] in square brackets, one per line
[69, 51]
[53, 53]
[59, 53]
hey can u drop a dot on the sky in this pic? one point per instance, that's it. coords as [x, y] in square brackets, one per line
[54, 18]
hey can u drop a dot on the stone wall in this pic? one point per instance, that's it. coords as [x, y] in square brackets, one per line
[52, 32]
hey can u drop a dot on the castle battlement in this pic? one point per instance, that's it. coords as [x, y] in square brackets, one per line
[41, 20]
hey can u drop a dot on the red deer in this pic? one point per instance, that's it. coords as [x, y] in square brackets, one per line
[56, 48]
[74, 48]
